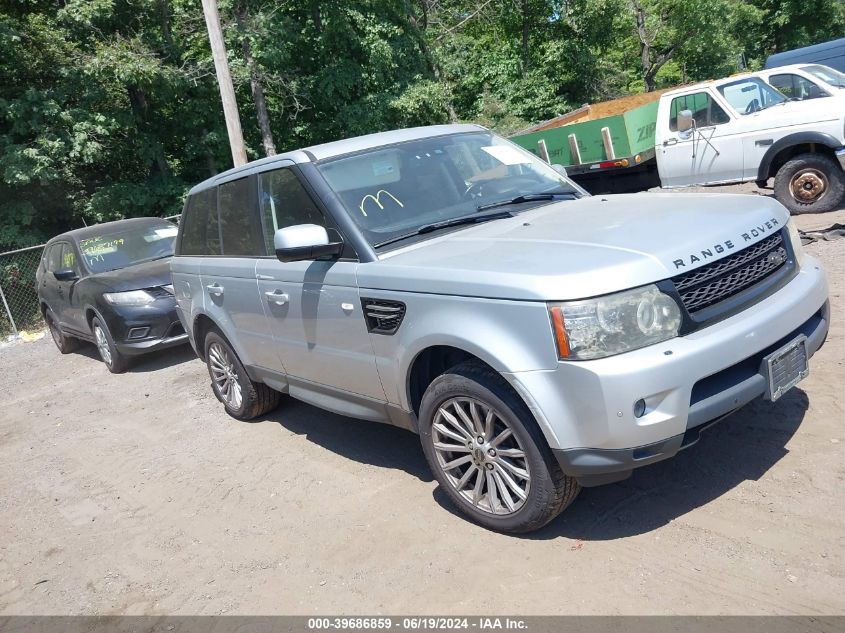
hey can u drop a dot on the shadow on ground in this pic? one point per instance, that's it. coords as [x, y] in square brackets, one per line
[372, 443]
[740, 448]
[154, 361]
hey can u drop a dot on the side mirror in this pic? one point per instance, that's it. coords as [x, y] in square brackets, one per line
[304, 241]
[65, 274]
[560, 169]
[685, 121]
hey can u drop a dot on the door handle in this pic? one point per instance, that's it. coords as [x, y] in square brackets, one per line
[278, 297]
[670, 141]
[214, 289]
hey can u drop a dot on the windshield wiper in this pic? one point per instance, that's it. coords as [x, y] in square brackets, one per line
[527, 197]
[475, 218]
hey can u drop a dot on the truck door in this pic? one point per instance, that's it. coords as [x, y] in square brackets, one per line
[710, 153]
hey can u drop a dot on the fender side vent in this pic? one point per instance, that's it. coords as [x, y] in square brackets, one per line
[383, 317]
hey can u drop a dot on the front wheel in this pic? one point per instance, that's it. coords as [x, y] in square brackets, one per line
[810, 183]
[488, 454]
[113, 359]
[243, 398]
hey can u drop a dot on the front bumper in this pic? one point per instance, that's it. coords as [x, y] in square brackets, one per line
[142, 329]
[587, 408]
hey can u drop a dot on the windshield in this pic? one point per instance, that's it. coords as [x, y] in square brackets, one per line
[826, 74]
[393, 191]
[750, 95]
[133, 245]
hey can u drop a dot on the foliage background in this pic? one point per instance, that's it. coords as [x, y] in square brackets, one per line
[110, 108]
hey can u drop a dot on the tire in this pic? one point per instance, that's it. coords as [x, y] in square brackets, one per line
[810, 183]
[228, 378]
[547, 490]
[65, 343]
[113, 359]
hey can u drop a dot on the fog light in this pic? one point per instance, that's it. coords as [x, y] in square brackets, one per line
[138, 332]
[639, 408]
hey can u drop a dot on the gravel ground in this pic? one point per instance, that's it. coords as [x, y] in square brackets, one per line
[136, 494]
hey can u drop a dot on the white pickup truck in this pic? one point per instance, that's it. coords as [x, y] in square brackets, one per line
[732, 130]
[741, 129]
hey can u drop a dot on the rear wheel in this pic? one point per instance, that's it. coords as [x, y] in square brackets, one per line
[810, 183]
[113, 359]
[488, 454]
[66, 344]
[242, 398]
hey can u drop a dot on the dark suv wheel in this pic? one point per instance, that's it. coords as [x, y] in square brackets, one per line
[488, 454]
[113, 359]
[242, 398]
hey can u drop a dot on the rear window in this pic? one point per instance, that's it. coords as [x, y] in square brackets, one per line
[239, 225]
[200, 226]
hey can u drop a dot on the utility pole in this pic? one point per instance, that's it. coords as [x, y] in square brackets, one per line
[224, 80]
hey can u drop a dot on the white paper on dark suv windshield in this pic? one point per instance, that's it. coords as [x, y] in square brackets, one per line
[507, 155]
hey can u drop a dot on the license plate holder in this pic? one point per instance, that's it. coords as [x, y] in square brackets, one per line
[785, 367]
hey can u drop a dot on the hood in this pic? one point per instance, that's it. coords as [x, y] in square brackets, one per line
[807, 111]
[144, 275]
[581, 248]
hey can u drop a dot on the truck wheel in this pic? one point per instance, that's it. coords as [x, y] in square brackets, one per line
[488, 454]
[65, 343]
[114, 360]
[810, 183]
[242, 398]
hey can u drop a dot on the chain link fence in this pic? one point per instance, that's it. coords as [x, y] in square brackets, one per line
[18, 294]
[19, 309]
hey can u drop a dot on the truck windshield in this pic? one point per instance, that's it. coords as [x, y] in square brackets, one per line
[750, 95]
[826, 74]
[133, 245]
[391, 191]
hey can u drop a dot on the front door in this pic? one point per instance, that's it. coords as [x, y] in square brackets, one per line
[708, 154]
[313, 307]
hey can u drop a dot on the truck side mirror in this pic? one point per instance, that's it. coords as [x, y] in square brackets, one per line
[685, 121]
[560, 169]
[304, 242]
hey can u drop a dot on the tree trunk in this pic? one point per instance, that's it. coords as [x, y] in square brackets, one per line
[141, 112]
[315, 15]
[255, 85]
[525, 32]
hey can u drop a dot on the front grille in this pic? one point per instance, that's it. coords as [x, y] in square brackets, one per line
[161, 292]
[710, 284]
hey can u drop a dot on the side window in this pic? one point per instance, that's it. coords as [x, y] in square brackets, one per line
[284, 202]
[705, 111]
[238, 223]
[200, 227]
[796, 87]
[54, 258]
[69, 257]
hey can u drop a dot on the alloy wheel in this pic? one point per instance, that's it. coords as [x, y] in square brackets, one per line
[481, 456]
[225, 376]
[102, 344]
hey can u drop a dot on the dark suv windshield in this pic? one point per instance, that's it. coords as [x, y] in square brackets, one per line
[133, 245]
[392, 191]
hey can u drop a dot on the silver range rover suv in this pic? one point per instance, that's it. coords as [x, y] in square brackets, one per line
[537, 339]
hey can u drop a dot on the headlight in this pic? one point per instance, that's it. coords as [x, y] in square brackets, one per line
[129, 298]
[615, 323]
[795, 241]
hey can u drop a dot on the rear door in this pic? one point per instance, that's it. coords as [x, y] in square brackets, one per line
[228, 277]
[49, 289]
[313, 307]
[709, 154]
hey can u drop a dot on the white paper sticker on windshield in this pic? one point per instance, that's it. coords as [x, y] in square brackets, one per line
[507, 155]
[169, 231]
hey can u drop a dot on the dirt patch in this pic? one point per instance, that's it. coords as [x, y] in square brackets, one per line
[136, 494]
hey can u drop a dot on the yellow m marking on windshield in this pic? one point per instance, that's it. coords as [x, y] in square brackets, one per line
[377, 199]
